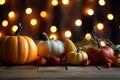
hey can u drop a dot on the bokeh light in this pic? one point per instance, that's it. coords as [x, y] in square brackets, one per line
[4, 23]
[78, 22]
[28, 10]
[0, 34]
[100, 26]
[14, 28]
[90, 12]
[101, 2]
[53, 36]
[2, 2]
[54, 2]
[88, 36]
[110, 17]
[53, 28]
[11, 14]
[102, 43]
[33, 22]
[65, 2]
[68, 34]
[43, 14]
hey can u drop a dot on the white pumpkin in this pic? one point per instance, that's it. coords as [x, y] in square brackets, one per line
[50, 47]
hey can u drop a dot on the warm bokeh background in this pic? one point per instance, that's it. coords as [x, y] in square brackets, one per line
[55, 17]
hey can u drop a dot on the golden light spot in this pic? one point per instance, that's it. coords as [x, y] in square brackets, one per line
[65, 2]
[100, 26]
[2, 2]
[78, 22]
[0, 34]
[88, 36]
[14, 28]
[4, 23]
[110, 16]
[54, 2]
[43, 14]
[90, 12]
[102, 43]
[53, 36]
[68, 34]
[28, 10]
[33, 22]
[53, 28]
[101, 2]
[11, 14]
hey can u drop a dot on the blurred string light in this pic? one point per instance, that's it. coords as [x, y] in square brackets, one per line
[0, 34]
[33, 22]
[78, 22]
[14, 28]
[4, 23]
[28, 10]
[90, 12]
[101, 2]
[102, 43]
[88, 36]
[2, 2]
[68, 34]
[65, 2]
[53, 28]
[11, 14]
[110, 17]
[43, 14]
[100, 26]
[54, 2]
[53, 36]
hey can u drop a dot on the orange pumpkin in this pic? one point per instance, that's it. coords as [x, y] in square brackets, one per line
[17, 50]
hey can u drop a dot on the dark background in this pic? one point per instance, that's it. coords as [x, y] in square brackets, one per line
[63, 17]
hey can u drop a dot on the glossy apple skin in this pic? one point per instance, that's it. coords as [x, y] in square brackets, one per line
[53, 60]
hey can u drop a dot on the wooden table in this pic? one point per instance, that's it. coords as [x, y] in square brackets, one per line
[33, 72]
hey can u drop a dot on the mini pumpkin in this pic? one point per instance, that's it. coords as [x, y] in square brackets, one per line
[50, 47]
[75, 58]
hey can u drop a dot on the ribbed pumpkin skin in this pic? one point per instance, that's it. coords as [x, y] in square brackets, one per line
[69, 45]
[17, 50]
[50, 47]
[75, 58]
[98, 56]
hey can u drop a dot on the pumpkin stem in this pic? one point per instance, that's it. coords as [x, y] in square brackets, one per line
[78, 50]
[110, 43]
[45, 36]
[94, 32]
[18, 30]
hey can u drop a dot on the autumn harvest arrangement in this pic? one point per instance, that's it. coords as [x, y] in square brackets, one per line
[19, 50]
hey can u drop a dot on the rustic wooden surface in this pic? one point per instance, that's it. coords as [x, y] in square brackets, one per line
[33, 72]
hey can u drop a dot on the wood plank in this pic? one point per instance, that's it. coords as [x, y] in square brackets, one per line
[117, 69]
[23, 67]
[70, 68]
[58, 73]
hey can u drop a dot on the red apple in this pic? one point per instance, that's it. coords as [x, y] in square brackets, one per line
[53, 60]
[57, 61]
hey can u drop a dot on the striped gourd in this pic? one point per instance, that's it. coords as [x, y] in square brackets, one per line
[69, 45]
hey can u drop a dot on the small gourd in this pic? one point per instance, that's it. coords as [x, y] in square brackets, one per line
[76, 57]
